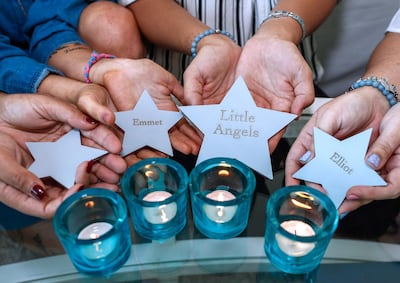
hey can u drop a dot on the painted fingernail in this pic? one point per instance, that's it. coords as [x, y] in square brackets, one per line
[374, 160]
[89, 166]
[38, 192]
[306, 157]
[352, 197]
[91, 120]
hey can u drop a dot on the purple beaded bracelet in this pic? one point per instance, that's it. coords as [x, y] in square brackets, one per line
[94, 58]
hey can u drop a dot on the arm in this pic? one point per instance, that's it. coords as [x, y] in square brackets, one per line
[351, 113]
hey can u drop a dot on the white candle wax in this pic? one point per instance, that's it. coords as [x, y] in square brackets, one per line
[291, 247]
[98, 249]
[160, 214]
[220, 213]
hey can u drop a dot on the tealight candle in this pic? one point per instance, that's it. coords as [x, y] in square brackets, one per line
[161, 214]
[219, 213]
[295, 248]
[93, 227]
[156, 192]
[98, 249]
[300, 222]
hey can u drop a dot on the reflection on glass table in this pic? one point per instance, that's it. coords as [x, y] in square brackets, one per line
[191, 257]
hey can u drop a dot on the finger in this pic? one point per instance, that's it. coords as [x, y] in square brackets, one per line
[300, 153]
[193, 88]
[385, 145]
[22, 179]
[105, 137]
[351, 205]
[184, 143]
[372, 193]
[96, 109]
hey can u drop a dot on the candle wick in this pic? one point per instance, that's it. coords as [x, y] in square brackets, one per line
[220, 211]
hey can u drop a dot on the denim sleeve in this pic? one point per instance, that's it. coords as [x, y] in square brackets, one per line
[18, 72]
[51, 24]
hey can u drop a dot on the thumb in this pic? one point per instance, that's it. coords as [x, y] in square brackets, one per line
[383, 147]
[22, 179]
[192, 88]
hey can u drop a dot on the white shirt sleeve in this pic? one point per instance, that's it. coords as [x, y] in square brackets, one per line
[125, 2]
[394, 25]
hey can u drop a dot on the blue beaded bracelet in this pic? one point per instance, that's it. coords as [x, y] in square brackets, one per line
[382, 84]
[206, 33]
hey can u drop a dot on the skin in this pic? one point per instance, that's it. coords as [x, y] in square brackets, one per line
[46, 119]
[354, 112]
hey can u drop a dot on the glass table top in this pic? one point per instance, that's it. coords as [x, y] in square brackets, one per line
[356, 254]
[190, 257]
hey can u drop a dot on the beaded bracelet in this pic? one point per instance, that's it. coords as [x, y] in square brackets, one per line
[206, 33]
[94, 58]
[282, 14]
[382, 84]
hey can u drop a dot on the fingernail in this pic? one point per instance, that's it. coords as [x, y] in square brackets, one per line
[89, 166]
[306, 157]
[374, 160]
[91, 120]
[38, 192]
[352, 197]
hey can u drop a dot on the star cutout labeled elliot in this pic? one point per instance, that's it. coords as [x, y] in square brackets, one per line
[340, 165]
[146, 125]
[61, 158]
[237, 128]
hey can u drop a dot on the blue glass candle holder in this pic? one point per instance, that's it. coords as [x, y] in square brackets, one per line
[221, 191]
[156, 192]
[92, 225]
[300, 223]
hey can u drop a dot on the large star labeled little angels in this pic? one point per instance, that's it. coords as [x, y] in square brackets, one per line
[237, 128]
[61, 158]
[339, 165]
[146, 125]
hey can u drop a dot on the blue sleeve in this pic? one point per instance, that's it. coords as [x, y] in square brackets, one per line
[18, 72]
[51, 24]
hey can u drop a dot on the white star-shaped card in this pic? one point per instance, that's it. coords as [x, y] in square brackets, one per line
[61, 158]
[146, 125]
[339, 165]
[237, 128]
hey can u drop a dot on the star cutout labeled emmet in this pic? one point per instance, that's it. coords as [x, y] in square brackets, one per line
[237, 128]
[146, 125]
[340, 165]
[61, 158]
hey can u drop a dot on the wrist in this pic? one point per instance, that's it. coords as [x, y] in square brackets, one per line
[211, 37]
[285, 25]
[386, 89]
[92, 62]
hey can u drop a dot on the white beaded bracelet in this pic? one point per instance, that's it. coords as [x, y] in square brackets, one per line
[282, 14]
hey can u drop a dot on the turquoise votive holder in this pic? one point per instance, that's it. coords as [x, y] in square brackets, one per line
[92, 225]
[221, 192]
[156, 192]
[300, 222]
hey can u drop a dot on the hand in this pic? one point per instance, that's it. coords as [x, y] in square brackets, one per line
[385, 156]
[212, 72]
[126, 79]
[26, 117]
[277, 76]
[21, 189]
[342, 117]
